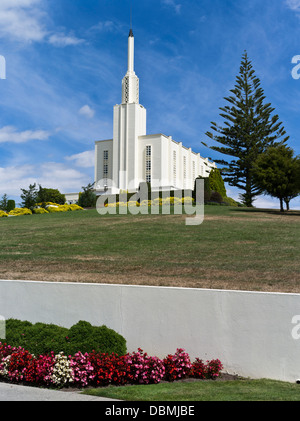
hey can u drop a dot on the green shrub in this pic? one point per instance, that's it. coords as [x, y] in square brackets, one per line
[50, 195]
[11, 204]
[230, 202]
[216, 182]
[207, 189]
[87, 198]
[85, 338]
[42, 338]
[216, 197]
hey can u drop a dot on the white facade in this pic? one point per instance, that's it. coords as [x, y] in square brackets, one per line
[132, 156]
[71, 198]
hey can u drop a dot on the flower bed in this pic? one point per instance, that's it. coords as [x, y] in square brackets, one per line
[49, 207]
[40, 208]
[155, 202]
[95, 369]
[20, 211]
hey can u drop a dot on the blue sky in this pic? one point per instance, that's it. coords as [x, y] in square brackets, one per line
[65, 60]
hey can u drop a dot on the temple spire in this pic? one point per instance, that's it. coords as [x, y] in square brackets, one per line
[131, 52]
[130, 83]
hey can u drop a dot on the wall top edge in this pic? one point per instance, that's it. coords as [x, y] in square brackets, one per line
[91, 284]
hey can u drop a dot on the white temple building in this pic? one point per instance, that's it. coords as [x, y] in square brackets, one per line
[133, 156]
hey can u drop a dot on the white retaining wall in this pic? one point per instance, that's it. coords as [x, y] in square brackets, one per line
[254, 334]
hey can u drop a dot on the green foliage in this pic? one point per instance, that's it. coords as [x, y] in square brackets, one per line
[11, 204]
[29, 196]
[276, 172]
[32, 195]
[50, 195]
[102, 339]
[231, 202]
[216, 182]
[87, 198]
[207, 189]
[248, 130]
[216, 197]
[3, 202]
[41, 338]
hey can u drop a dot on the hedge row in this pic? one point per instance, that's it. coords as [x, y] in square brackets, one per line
[42, 338]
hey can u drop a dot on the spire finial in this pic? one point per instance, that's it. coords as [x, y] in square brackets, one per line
[131, 32]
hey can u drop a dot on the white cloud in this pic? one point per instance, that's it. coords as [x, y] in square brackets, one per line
[61, 177]
[25, 21]
[293, 5]
[172, 3]
[49, 175]
[22, 20]
[84, 159]
[87, 111]
[16, 4]
[9, 134]
[13, 178]
[107, 26]
[62, 40]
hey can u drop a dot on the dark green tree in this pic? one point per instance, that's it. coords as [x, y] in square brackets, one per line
[87, 198]
[11, 204]
[3, 202]
[276, 173]
[207, 189]
[29, 197]
[249, 128]
[216, 182]
[50, 195]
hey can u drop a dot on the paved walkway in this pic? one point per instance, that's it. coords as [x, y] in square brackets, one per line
[9, 392]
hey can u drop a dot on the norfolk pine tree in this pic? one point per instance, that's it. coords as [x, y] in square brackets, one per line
[249, 128]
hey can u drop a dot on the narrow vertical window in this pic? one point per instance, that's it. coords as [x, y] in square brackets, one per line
[174, 168]
[148, 163]
[184, 171]
[105, 166]
[194, 170]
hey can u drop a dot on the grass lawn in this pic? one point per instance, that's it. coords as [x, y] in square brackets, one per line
[232, 390]
[234, 248]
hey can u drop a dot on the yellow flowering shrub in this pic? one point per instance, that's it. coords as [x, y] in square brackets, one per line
[170, 201]
[116, 205]
[133, 203]
[54, 207]
[75, 207]
[3, 214]
[147, 203]
[20, 212]
[188, 200]
[39, 211]
[47, 204]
